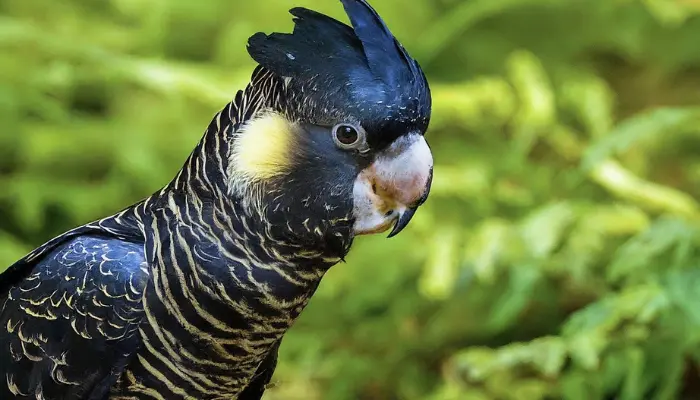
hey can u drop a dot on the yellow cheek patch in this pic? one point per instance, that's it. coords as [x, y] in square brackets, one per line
[262, 149]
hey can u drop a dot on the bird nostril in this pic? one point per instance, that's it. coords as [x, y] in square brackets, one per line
[388, 213]
[374, 187]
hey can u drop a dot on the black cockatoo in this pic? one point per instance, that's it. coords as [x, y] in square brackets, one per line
[188, 293]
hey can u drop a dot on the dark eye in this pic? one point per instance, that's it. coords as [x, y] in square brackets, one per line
[347, 136]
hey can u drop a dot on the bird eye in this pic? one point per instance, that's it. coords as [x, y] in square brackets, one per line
[347, 136]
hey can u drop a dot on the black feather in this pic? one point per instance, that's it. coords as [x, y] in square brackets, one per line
[257, 386]
[77, 304]
[360, 71]
[380, 47]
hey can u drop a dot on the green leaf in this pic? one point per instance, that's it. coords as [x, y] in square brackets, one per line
[649, 246]
[642, 128]
[543, 231]
[439, 272]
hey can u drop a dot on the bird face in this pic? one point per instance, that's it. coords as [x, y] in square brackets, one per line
[337, 146]
[341, 172]
[389, 190]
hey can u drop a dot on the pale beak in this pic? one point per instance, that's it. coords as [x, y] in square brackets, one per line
[406, 216]
[391, 189]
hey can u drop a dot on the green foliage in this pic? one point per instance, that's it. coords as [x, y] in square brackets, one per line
[559, 254]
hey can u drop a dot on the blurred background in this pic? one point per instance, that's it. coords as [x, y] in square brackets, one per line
[558, 256]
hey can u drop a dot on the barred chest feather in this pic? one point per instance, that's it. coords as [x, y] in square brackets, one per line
[221, 295]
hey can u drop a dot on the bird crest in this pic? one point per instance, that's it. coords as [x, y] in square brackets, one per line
[361, 69]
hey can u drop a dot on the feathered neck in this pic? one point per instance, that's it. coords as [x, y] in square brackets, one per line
[203, 182]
